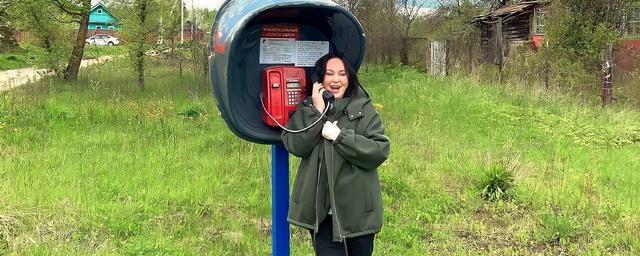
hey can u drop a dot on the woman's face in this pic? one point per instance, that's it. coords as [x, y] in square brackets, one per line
[335, 78]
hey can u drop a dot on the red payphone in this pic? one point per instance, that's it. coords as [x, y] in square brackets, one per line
[283, 87]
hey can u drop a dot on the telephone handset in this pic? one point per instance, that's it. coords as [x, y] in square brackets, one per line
[283, 87]
[327, 96]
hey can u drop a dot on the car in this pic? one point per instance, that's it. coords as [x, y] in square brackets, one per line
[103, 39]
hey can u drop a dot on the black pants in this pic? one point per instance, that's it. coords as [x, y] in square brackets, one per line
[325, 246]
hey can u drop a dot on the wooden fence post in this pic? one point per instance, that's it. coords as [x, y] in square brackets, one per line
[439, 58]
[500, 50]
[545, 54]
[607, 80]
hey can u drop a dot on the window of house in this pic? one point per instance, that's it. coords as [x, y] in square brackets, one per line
[633, 23]
[538, 22]
[99, 10]
[111, 27]
[98, 27]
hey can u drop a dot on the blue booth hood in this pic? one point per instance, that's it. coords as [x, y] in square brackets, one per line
[237, 13]
[229, 71]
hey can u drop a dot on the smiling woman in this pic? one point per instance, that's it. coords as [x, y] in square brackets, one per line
[336, 194]
[331, 74]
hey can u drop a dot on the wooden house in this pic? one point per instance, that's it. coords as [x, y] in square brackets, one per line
[510, 26]
[102, 21]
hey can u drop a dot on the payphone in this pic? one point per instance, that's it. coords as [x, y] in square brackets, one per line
[252, 37]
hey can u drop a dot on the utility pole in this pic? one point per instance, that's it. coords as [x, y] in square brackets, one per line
[181, 22]
[193, 19]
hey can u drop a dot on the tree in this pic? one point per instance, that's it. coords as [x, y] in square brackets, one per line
[142, 22]
[78, 10]
[352, 5]
[204, 18]
[452, 23]
[199, 47]
[7, 37]
[582, 27]
[408, 10]
[41, 19]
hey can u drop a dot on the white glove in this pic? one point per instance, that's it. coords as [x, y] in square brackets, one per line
[330, 130]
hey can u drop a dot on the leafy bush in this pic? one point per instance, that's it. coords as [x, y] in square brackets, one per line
[582, 28]
[192, 112]
[526, 66]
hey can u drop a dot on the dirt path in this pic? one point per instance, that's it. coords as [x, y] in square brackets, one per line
[18, 77]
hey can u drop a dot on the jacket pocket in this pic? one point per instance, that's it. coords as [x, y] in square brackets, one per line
[368, 199]
[297, 187]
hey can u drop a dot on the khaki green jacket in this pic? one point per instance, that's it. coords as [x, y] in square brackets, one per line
[350, 186]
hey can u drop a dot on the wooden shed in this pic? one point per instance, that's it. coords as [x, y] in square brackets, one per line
[510, 26]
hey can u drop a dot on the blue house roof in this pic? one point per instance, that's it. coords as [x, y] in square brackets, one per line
[100, 16]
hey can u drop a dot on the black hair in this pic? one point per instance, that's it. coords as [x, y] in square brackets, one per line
[320, 69]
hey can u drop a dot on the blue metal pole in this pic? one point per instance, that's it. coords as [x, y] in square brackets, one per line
[279, 200]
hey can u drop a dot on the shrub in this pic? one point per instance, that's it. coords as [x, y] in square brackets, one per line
[496, 183]
[192, 112]
[526, 66]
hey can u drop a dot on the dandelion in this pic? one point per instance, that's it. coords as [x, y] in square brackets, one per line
[378, 106]
[2, 125]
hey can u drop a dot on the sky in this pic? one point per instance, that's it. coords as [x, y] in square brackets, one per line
[215, 4]
[210, 4]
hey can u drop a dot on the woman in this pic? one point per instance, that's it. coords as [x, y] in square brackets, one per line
[336, 193]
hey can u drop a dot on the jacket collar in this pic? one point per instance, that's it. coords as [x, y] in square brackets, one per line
[355, 106]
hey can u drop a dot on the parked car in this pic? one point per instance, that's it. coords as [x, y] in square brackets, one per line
[102, 39]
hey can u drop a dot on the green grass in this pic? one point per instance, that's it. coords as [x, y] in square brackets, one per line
[94, 51]
[24, 57]
[29, 55]
[99, 168]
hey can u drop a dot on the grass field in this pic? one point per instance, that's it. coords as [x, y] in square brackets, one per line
[98, 168]
[28, 55]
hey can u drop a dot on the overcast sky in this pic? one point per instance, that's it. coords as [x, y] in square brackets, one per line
[211, 4]
[215, 4]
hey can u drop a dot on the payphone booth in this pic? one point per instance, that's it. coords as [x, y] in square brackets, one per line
[250, 36]
[262, 58]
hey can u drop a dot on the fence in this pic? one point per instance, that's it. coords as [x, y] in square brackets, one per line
[23, 36]
[111, 32]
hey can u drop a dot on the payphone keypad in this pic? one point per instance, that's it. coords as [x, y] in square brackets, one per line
[295, 96]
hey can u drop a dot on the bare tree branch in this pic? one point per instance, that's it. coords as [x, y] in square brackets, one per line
[65, 9]
[55, 18]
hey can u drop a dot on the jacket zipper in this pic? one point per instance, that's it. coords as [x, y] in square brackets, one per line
[317, 224]
[333, 199]
[333, 202]
[335, 211]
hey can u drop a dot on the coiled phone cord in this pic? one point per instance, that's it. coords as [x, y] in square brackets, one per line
[329, 104]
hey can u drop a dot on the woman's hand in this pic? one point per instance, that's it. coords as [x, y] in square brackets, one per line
[330, 130]
[316, 96]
